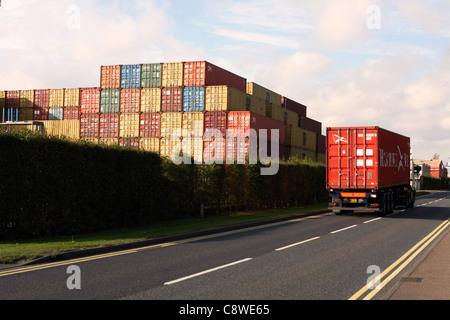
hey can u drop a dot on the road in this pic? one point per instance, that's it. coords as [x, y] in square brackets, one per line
[324, 257]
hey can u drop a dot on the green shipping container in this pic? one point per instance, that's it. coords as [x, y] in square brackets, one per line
[151, 75]
[110, 101]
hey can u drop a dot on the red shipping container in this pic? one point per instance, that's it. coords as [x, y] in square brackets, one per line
[89, 125]
[243, 121]
[150, 125]
[294, 106]
[71, 113]
[367, 158]
[40, 113]
[203, 73]
[12, 99]
[109, 125]
[90, 100]
[110, 77]
[41, 98]
[312, 125]
[214, 151]
[130, 100]
[216, 120]
[172, 99]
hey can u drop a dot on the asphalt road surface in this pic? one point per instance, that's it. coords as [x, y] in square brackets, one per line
[324, 257]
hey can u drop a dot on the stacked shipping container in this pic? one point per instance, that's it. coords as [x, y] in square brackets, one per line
[140, 106]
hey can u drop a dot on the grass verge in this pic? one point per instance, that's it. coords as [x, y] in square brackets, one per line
[21, 251]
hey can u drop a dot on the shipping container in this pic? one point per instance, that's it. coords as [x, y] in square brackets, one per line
[110, 77]
[172, 74]
[203, 73]
[150, 145]
[109, 125]
[71, 113]
[151, 75]
[150, 125]
[132, 143]
[67, 128]
[225, 98]
[90, 140]
[108, 141]
[89, 125]
[302, 153]
[193, 124]
[129, 125]
[26, 114]
[169, 146]
[172, 99]
[130, 76]
[304, 139]
[171, 123]
[56, 99]
[245, 121]
[130, 100]
[294, 106]
[214, 150]
[312, 125]
[90, 100]
[216, 120]
[40, 113]
[368, 168]
[72, 97]
[257, 105]
[193, 99]
[269, 96]
[55, 114]
[193, 148]
[12, 99]
[41, 98]
[150, 100]
[2, 99]
[27, 99]
[110, 101]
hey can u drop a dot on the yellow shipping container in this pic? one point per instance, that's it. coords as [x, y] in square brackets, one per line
[150, 100]
[63, 128]
[56, 98]
[129, 125]
[263, 93]
[167, 145]
[303, 139]
[27, 100]
[225, 98]
[277, 113]
[257, 105]
[194, 123]
[26, 114]
[150, 145]
[170, 121]
[2, 99]
[193, 148]
[109, 141]
[172, 74]
[72, 97]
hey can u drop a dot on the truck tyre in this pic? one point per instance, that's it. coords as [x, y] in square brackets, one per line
[383, 206]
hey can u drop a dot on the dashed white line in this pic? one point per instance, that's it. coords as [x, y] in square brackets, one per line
[340, 230]
[206, 271]
[297, 244]
[373, 220]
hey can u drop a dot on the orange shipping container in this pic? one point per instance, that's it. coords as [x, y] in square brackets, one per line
[110, 77]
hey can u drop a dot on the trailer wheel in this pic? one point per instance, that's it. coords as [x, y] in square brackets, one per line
[383, 206]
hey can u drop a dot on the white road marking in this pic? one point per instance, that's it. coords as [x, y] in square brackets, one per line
[340, 230]
[297, 244]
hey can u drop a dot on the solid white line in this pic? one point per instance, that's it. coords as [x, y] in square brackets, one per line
[340, 230]
[297, 244]
[373, 220]
[206, 271]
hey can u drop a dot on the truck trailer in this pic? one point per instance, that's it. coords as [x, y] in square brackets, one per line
[368, 169]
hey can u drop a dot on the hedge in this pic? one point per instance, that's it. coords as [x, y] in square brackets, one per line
[431, 183]
[52, 187]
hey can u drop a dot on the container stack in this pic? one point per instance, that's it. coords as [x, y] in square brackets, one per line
[186, 107]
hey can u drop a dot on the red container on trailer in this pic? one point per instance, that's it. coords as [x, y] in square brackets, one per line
[150, 125]
[109, 125]
[203, 73]
[367, 158]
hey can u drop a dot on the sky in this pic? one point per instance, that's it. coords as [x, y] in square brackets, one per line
[352, 63]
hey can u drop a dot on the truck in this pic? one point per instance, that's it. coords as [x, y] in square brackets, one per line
[368, 169]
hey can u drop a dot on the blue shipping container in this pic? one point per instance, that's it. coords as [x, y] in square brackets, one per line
[131, 76]
[55, 114]
[11, 114]
[194, 99]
